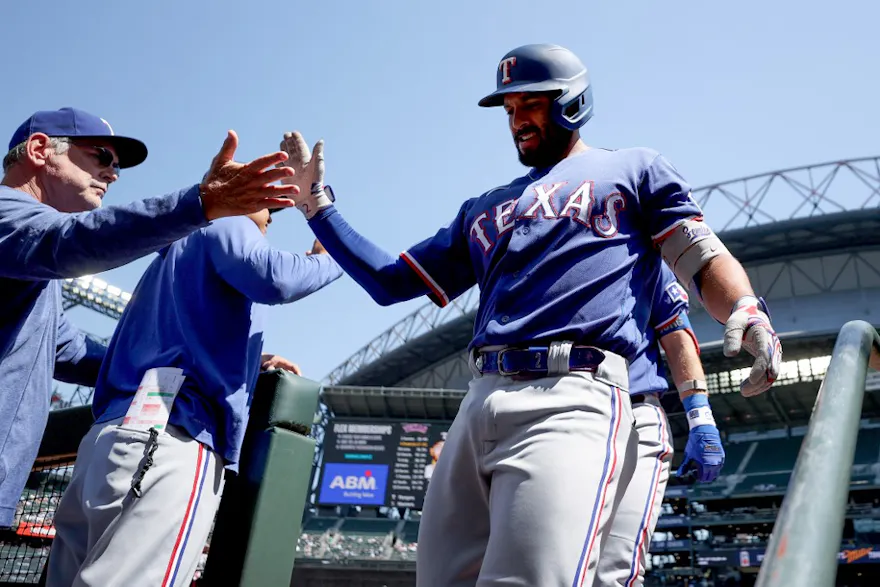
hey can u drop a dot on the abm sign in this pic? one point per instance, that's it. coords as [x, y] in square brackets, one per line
[348, 483]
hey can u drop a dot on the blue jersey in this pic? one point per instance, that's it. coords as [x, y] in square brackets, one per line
[562, 253]
[201, 306]
[668, 310]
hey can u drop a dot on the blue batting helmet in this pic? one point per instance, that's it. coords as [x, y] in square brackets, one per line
[546, 68]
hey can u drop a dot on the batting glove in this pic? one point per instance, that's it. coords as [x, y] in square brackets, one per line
[309, 177]
[749, 327]
[703, 455]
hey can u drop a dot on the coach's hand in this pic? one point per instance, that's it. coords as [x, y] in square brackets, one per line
[234, 189]
[309, 176]
[749, 327]
[268, 361]
[703, 455]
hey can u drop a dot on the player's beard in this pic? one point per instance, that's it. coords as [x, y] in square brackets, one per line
[552, 146]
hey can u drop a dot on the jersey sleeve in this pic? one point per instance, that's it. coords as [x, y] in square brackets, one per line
[443, 261]
[78, 357]
[38, 242]
[246, 261]
[665, 198]
[670, 303]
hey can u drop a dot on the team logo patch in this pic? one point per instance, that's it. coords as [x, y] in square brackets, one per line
[676, 293]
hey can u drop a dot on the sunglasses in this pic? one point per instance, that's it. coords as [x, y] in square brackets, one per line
[104, 158]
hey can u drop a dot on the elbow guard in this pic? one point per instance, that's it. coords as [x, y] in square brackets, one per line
[688, 246]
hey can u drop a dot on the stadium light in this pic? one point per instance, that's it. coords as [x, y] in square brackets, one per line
[95, 294]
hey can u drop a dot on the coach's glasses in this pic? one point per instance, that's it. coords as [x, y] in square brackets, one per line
[104, 157]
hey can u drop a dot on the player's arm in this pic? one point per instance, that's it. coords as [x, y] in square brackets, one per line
[703, 453]
[700, 260]
[38, 242]
[78, 357]
[388, 280]
[438, 267]
[669, 318]
[265, 275]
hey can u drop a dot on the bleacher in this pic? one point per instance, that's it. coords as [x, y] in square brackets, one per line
[774, 456]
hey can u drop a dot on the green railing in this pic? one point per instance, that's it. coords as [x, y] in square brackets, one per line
[804, 546]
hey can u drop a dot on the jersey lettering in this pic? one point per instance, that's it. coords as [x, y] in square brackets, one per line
[605, 224]
[479, 232]
[543, 202]
[353, 482]
[502, 213]
[575, 203]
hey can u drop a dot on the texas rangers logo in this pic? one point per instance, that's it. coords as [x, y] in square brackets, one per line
[676, 293]
[505, 66]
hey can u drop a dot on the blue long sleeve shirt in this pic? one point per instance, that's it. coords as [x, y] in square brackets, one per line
[200, 306]
[39, 245]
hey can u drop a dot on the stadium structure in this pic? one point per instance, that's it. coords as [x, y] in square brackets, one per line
[809, 238]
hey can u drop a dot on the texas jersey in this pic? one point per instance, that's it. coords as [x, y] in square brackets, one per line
[561, 253]
[669, 306]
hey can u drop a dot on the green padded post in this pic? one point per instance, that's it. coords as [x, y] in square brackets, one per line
[260, 515]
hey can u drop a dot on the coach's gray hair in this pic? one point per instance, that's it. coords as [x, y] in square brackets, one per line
[16, 154]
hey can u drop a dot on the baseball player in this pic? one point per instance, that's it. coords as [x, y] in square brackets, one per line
[171, 405]
[629, 539]
[543, 443]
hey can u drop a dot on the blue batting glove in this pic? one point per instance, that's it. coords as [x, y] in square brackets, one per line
[703, 455]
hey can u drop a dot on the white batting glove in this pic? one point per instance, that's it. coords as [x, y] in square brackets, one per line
[309, 177]
[749, 327]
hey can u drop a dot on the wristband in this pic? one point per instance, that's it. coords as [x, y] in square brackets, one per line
[698, 412]
[696, 384]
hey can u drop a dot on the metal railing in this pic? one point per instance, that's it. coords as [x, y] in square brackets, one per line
[804, 547]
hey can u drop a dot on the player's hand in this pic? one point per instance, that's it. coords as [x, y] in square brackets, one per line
[317, 249]
[231, 188]
[268, 361]
[309, 172]
[749, 327]
[703, 455]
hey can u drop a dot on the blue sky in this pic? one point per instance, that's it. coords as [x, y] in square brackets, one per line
[723, 90]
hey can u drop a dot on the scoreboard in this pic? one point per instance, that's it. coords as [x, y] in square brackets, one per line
[379, 463]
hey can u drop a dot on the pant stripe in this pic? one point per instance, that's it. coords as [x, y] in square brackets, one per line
[188, 518]
[645, 526]
[604, 482]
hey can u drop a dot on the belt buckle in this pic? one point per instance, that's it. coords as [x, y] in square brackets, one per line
[500, 360]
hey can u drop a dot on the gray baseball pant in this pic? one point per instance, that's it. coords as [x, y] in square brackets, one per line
[623, 558]
[106, 536]
[530, 476]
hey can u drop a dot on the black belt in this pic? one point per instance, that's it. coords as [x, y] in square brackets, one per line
[534, 361]
[639, 398]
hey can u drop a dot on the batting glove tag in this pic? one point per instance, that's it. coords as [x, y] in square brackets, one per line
[749, 327]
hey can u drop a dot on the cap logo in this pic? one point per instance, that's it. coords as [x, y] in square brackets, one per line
[108, 126]
[505, 66]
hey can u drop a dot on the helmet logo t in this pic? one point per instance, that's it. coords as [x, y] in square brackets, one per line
[505, 66]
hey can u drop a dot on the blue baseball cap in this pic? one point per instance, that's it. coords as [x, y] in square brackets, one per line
[78, 124]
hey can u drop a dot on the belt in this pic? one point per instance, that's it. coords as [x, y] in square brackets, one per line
[642, 398]
[534, 361]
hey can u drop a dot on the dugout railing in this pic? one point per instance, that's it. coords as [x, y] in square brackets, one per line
[803, 548]
[260, 516]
